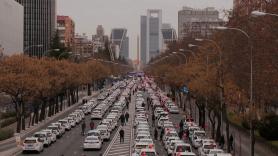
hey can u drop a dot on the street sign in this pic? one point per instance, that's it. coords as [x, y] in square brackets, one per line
[184, 89]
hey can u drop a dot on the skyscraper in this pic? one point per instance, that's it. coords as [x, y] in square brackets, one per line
[39, 25]
[119, 37]
[151, 35]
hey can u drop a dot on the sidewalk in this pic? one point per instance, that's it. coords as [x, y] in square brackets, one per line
[8, 147]
[123, 149]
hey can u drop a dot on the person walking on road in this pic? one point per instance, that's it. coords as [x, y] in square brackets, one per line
[92, 124]
[181, 126]
[155, 134]
[126, 116]
[222, 142]
[83, 127]
[122, 119]
[127, 104]
[122, 133]
[231, 141]
[153, 120]
[161, 134]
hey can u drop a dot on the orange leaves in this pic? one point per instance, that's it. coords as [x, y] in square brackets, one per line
[41, 78]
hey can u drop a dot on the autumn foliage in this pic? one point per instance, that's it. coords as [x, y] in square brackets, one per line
[39, 86]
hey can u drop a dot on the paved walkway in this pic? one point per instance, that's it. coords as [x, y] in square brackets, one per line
[123, 149]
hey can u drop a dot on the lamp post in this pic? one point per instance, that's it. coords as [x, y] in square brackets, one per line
[220, 65]
[252, 138]
[188, 51]
[257, 13]
[47, 52]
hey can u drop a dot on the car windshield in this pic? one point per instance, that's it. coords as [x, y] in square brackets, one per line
[93, 134]
[200, 134]
[30, 141]
[209, 146]
[183, 148]
[39, 135]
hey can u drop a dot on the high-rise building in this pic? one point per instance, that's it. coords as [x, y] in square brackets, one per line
[151, 35]
[11, 30]
[119, 37]
[197, 22]
[244, 7]
[39, 25]
[99, 39]
[100, 30]
[66, 31]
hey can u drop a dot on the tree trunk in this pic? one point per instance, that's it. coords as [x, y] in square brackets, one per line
[218, 129]
[77, 95]
[23, 116]
[61, 98]
[56, 104]
[211, 117]
[42, 115]
[252, 138]
[68, 97]
[18, 116]
[89, 92]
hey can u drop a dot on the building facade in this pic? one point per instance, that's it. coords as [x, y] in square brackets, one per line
[119, 37]
[39, 25]
[151, 36]
[66, 31]
[11, 31]
[197, 23]
[83, 46]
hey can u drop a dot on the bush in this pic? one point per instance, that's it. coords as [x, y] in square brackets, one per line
[269, 127]
[7, 115]
[6, 134]
[8, 122]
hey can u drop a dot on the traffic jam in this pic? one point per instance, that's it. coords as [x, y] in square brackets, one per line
[112, 100]
[153, 121]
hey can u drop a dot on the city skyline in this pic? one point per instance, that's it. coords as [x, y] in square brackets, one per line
[128, 17]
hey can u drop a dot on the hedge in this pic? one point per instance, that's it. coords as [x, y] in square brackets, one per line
[7, 122]
[6, 134]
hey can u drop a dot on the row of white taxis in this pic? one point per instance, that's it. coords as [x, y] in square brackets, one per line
[95, 137]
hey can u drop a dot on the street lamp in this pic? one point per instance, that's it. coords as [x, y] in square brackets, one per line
[257, 13]
[63, 53]
[251, 78]
[47, 52]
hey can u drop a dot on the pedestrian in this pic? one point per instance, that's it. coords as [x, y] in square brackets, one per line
[127, 104]
[155, 134]
[231, 140]
[126, 117]
[181, 126]
[83, 126]
[181, 134]
[222, 142]
[153, 120]
[122, 133]
[122, 117]
[92, 124]
[143, 105]
[161, 134]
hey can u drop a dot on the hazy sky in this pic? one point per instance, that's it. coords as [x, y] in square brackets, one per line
[87, 14]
